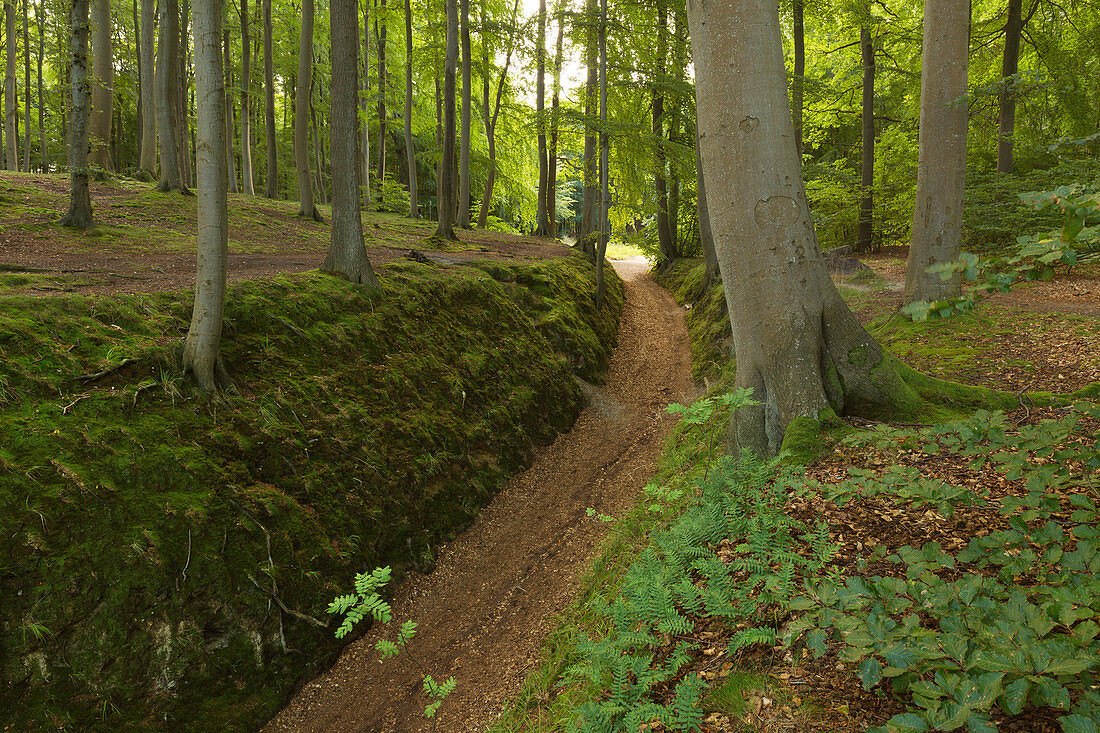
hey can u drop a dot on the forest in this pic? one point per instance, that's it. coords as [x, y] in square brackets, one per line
[528, 365]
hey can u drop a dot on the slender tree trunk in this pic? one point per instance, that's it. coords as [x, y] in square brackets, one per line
[491, 119]
[11, 113]
[664, 234]
[99, 126]
[40, 21]
[318, 152]
[799, 75]
[272, 191]
[410, 150]
[166, 78]
[867, 180]
[706, 234]
[542, 226]
[941, 160]
[246, 103]
[148, 160]
[1010, 64]
[364, 101]
[380, 26]
[347, 255]
[80, 200]
[183, 143]
[438, 134]
[230, 126]
[26, 90]
[552, 148]
[201, 350]
[301, 115]
[463, 219]
[446, 187]
[605, 197]
[589, 207]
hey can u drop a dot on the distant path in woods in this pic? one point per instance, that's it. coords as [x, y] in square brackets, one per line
[492, 598]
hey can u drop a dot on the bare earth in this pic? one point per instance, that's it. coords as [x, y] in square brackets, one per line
[485, 610]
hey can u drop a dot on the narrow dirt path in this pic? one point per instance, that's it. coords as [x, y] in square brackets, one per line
[485, 610]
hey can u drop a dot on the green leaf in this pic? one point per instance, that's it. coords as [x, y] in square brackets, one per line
[1078, 724]
[1014, 697]
[907, 723]
[870, 672]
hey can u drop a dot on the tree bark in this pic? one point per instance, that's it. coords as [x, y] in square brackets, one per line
[797, 345]
[799, 75]
[318, 150]
[664, 234]
[201, 350]
[347, 255]
[99, 126]
[301, 115]
[446, 187]
[166, 78]
[380, 27]
[11, 113]
[364, 101]
[230, 126]
[463, 220]
[491, 120]
[26, 90]
[1010, 64]
[183, 144]
[552, 147]
[272, 190]
[40, 21]
[941, 160]
[864, 242]
[80, 200]
[605, 229]
[542, 226]
[589, 207]
[706, 236]
[147, 162]
[410, 150]
[246, 104]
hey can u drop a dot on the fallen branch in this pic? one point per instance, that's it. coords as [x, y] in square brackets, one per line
[106, 372]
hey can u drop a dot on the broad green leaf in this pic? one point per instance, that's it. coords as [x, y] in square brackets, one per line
[870, 672]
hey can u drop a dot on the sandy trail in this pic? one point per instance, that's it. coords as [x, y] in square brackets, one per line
[485, 610]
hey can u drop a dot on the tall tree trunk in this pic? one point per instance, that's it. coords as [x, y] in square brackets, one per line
[542, 226]
[589, 207]
[410, 151]
[446, 187]
[26, 90]
[201, 349]
[552, 148]
[605, 229]
[99, 126]
[664, 234]
[347, 253]
[40, 21]
[230, 126]
[301, 115]
[491, 119]
[1010, 64]
[364, 101]
[941, 160]
[183, 143]
[80, 200]
[799, 75]
[463, 219]
[11, 113]
[380, 26]
[864, 242]
[147, 162]
[797, 345]
[166, 78]
[318, 151]
[272, 190]
[246, 103]
[702, 209]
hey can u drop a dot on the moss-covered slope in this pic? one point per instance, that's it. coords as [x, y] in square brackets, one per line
[164, 555]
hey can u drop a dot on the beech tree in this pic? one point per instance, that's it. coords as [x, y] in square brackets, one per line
[272, 189]
[80, 200]
[446, 186]
[11, 113]
[247, 185]
[103, 96]
[166, 79]
[542, 225]
[302, 98]
[410, 150]
[797, 344]
[867, 173]
[148, 162]
[463, 214]
[491, 118]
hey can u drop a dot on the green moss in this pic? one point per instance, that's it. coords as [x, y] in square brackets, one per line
[146, 530]
[707, 318]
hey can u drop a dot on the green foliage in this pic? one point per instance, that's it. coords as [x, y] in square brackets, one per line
[392, 197]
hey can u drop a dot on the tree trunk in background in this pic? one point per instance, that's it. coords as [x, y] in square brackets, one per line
[347, 254]
[798, 77]
[491, 119]
[542, 227]
[246, 104]
[552, 149]
[1010, 64]
[364, 102]
[604, 228]
[380, 26]
[103, 95]
[11, 114]
[589, 208]
[183, 141]
[166, 78]
[664, 234]
[80, 200]
[941, 160]
[40, 21]
[706, 235]
[410, 151]
[301, 115]
[318, 151]
[864, 241]
[201, 349]
[679, 62]
[230, 127]
[463, 219]
[446, 187]
[148, 159]
[26, 91]
[272, 190]
[797, 345]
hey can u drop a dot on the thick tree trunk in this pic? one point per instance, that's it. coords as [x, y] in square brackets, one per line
[103, 95]
[864, 241]
[1010, 64]
[166, 78]
[463, 219]
[552, 148]
[798, 77]
[301, 115]
[941, 160]
[706, 236]
[246, 104]
[446, 187]
[364, 102]
[797, 345]
[589, 208]
[230, 126]
[604, 228]
[147, 162]
[410, 150]
[272, 190]
[491, 119]
[380, 27]
[347, 255]
[664, 233]
[11, 107]
[542, 226]
[201, 349]
[40, 21]
[80, 200]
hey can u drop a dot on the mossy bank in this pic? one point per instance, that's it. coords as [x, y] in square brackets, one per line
[166, 557]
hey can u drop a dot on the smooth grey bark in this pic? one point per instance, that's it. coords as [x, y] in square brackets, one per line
[11, 107]
[380, 27]
[410, 150]
[40, 21]
[318, 149]
[147, 161]
[230, 126]
[542, 226]
[1010, 64]
[589, 208]
[247, 184]
[491, 119]
[26, 90]
[80, 200]
[797, 345]
[664, 234]
[183, 144]
[272, 189]
[347, 255]
[103, 95]
[864, 241]
[166, 78]
[306, 207]
[463, 215]
[202, 347]
[604, 228]
[364, 101]
[702, 210]
[446, 187]
[799, 75]
[552, 145]
[941, 160]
